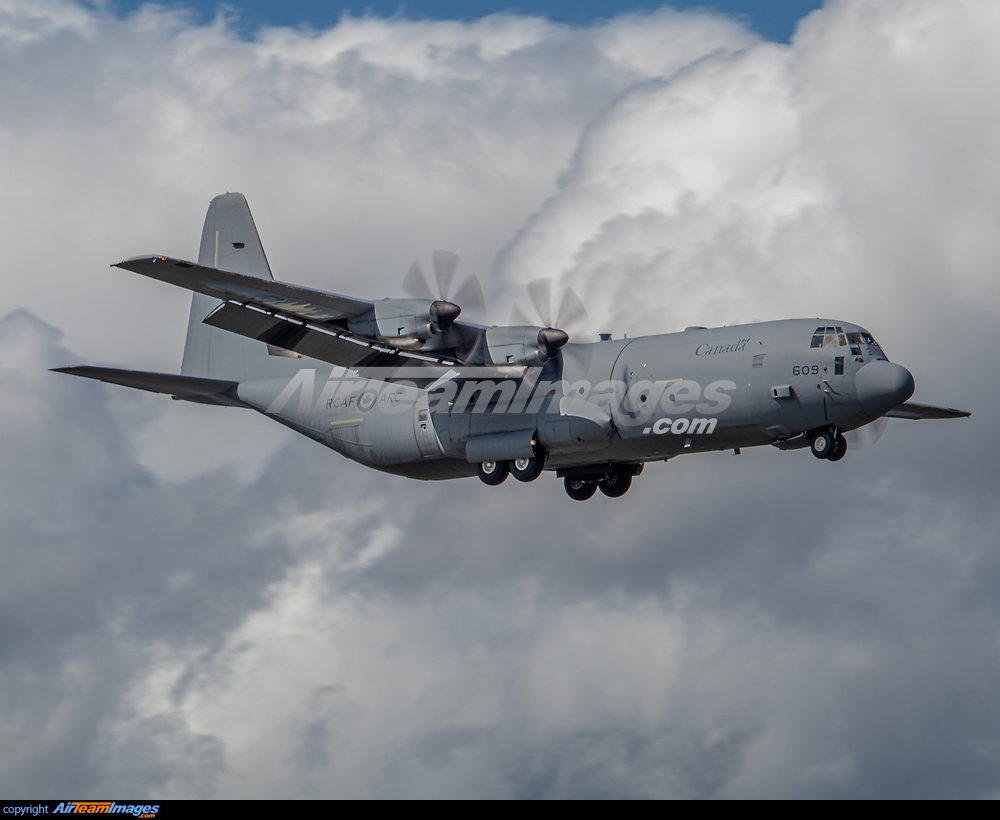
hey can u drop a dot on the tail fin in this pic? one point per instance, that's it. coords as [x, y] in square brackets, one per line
[229, 241]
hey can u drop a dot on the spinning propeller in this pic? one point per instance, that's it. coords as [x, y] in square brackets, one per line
[560, 323]
[868, 434]
[448, 303]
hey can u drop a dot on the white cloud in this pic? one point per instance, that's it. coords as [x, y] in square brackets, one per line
[23, 23]
[788, 181]
[215, 614]
[359, 148]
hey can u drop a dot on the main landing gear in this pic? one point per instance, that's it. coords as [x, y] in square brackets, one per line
[527, 469]
[614, 482]
[579, 489]
[829, 446]
[493, 472]
[523, 469]
[581, 483]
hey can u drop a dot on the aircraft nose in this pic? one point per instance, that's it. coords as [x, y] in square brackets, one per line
[882, 386]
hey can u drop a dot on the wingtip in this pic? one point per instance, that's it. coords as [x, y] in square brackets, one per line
[146, 257]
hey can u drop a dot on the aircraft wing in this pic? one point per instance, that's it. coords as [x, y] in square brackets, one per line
[186, 388]
[301, 320]
[925, 411]
[302, 303]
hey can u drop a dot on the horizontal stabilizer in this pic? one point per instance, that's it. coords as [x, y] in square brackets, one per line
[187, 388]
[925, 411]
[304, 303]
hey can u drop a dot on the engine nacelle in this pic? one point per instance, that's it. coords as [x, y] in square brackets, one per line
[407, 324]
[522, 345]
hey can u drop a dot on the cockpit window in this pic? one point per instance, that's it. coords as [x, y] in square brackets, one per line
[863, 338]
[824, 337]
[829, 337]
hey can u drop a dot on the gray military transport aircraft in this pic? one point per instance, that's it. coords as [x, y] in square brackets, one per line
[416, 392]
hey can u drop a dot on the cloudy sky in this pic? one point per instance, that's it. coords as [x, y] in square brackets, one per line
[196, 603]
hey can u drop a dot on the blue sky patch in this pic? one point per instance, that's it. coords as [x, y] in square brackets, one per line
[774, 19]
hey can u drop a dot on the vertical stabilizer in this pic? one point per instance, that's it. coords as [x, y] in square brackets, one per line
[229, 241]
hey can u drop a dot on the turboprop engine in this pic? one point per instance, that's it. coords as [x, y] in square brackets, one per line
[523, 345]
[407, 324]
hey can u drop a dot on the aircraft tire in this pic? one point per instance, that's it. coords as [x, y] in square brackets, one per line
[527, 469]
[493, 472]
[822, 445]
[839, 448]
[579, 490]
[616, 484]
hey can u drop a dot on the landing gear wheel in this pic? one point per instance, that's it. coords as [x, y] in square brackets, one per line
[493, 472]
[578, 489]
[616, 484]
[822, 445]
[839, 448]
[527, 469]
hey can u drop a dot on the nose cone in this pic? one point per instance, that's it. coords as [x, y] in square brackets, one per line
[882, 386]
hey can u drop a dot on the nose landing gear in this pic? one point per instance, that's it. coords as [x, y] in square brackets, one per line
[822, 445]
[839, 449]
[829, 446]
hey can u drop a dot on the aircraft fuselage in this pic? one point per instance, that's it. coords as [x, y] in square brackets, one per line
[623, 401]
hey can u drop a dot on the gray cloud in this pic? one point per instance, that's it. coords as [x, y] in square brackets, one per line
[273, 620]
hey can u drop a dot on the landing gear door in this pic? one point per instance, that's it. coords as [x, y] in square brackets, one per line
[423, 428]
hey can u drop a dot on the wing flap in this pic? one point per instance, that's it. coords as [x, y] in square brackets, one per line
[925, 411]
[305, 303]
[287, 335]
[186, 388]
[325, 346]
